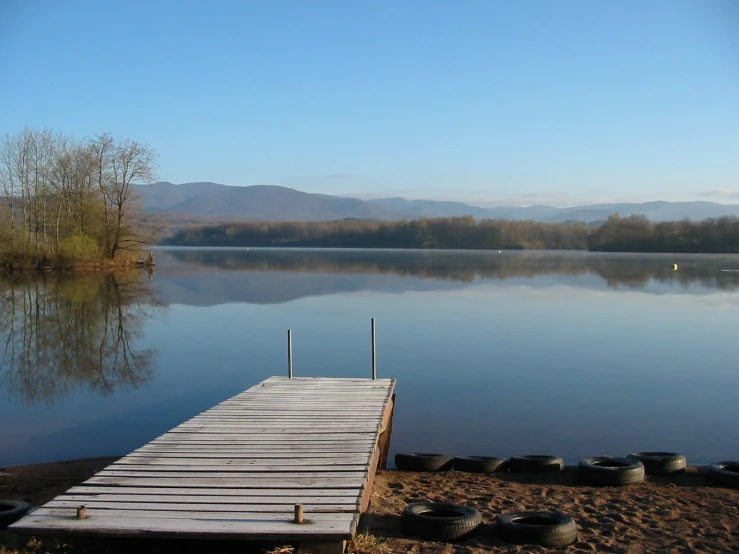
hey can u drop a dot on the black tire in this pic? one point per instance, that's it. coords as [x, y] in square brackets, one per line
[724, 473]
[439, 521]
[480, 464]
[660, 463]
[423, 462]
[548, 529]
[11, 511]
[610, 471]
[536, 463]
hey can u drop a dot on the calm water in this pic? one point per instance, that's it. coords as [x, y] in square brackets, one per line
[572, 354]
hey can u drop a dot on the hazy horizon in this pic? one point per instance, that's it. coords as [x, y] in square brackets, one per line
[471, 202]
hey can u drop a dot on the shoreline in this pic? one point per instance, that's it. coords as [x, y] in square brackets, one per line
[680, 513]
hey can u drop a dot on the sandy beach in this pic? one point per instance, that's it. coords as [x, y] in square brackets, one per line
[682, 513]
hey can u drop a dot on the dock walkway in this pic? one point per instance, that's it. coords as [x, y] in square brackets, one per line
[237, 471]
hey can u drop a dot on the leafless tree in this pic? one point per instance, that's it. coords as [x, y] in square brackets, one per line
[58, 194]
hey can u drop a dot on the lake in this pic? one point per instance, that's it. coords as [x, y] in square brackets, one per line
[566, 353]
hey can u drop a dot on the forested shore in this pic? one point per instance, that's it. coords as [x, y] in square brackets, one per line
[69, 203]
[616, 234]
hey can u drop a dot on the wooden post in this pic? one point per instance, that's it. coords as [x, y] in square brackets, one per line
[289, 353]
[298, 513]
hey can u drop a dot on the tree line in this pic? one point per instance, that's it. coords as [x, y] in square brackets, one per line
[637, 234]
[65, 201]
[617, 234]
[453, 233]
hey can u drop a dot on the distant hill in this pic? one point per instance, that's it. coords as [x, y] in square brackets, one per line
[163, 196]
[429, 208]
[203, 202]
[435, 208]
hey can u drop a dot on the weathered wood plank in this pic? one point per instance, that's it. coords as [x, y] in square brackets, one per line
[269, 464]
[264, 529]
[267, 447]
[250, 444]
[288, 439]
[246, 456]
[303, 421]
[282, 493]
[189, 505]
[276, 503]
[271, 429]
[271, 438]
[293, 412]
[220, 457]
[307, 427]
[300, 383]
[217, 473]
[240, 417]
[174, 464]
[195, 517]
[259, 449]
[333, 435]
[241, 482]
[330, 400]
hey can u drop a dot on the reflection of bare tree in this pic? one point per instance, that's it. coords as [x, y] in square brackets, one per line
[58, 334]
[620, 270]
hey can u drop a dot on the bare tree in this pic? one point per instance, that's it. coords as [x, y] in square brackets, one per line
[63, 199]
[131, 163]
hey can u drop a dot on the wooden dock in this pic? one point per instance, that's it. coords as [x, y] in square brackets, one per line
[237, 471]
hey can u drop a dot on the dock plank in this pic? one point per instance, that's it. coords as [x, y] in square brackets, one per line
[187, 505]
[246, 464]
[276, 503]
[217, 473]
[225, 493]
[252, 528]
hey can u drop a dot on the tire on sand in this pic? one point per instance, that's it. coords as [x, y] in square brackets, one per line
[724, 473]
[610, 471]
[423, 462]
[535, 463]
[660, 463]
[480, 464]
[548, 529]
[439, 521]
[11, 511]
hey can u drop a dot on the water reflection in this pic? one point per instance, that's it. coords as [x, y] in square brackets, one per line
[62, 334]
[280, 275]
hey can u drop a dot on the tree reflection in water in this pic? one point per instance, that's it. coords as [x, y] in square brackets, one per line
[634, 271]
[59, 334]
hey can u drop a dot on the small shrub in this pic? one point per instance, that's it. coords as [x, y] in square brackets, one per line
[78, 249]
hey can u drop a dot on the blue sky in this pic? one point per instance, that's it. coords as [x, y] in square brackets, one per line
[490, 102]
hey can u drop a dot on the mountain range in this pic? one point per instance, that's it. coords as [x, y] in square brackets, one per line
[204, 202]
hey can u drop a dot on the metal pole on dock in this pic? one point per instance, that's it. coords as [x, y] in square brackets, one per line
[374, 351]
[289, 353]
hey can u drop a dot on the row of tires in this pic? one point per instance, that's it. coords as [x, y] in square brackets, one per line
[436, 521]
[599, 470]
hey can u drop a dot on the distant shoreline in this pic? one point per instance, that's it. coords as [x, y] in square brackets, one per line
[631, 234]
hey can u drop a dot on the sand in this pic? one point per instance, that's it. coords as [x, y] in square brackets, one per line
[683, 513]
